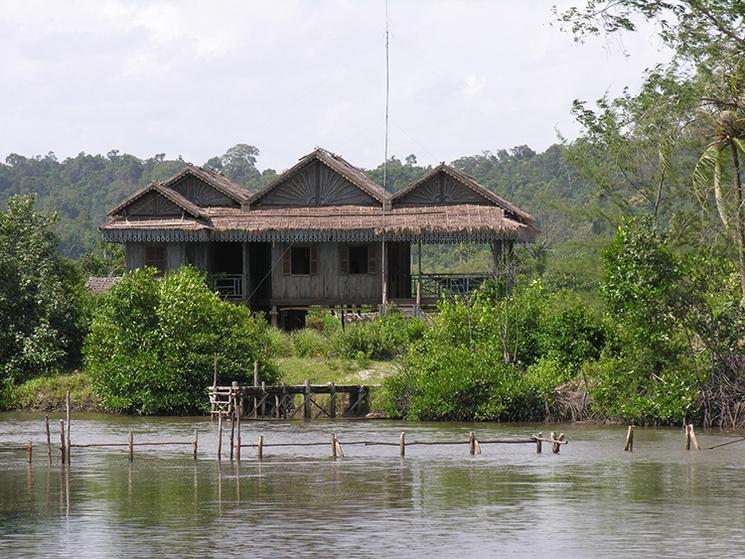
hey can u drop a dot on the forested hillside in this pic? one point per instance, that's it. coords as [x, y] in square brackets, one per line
[82, 188]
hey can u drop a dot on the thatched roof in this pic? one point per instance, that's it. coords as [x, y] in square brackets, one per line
[466, 217]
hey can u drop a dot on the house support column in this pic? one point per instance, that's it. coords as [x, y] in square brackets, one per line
[418, 307]
[384, 276]
[245, 273]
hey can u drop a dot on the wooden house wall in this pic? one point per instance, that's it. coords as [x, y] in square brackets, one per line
[438, 190]
[316, 185]
[154, 204]
[328, 286]
[202, 194]
[176, 254]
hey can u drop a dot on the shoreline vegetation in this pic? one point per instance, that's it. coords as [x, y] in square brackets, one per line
[630, 308]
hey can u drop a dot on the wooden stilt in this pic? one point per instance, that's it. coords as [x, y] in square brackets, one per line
[219, 437]
[629, 446]
[232, 437]
[332, 402]
[472, 443]
[539, 443]
[402, 444]
[260, 448]
[238, 433]
[67, 421]
[688, 437]
[306, 401]
[63, 450]
[131, 447]
[49, 440]
[339, 449]
[194, 444]
[29, 451]
[333, 446]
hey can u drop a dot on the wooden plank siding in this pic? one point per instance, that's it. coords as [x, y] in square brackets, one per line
[328, 286]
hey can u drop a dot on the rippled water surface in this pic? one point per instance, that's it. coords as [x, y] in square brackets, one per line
[592, 500]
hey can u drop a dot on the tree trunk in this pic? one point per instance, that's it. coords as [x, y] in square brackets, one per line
[739, 218]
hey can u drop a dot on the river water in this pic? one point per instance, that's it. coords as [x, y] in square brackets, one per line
[591, 500]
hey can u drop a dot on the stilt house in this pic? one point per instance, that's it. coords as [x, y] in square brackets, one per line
[322, 234]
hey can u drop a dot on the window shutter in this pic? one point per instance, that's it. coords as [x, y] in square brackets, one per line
[372, 259]
[286, 260]
[313, 260]
[344, 259]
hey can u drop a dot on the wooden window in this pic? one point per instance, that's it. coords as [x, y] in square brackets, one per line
[300, 261]
[358, 259]
[155, 256]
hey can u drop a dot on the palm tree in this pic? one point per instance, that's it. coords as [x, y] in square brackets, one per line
[720, 159]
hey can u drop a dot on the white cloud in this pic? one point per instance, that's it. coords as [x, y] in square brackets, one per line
[193, 78]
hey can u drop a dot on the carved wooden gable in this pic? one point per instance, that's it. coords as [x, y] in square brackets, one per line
[316, 185]
[153, 204]
[202, 194]
[441, 189]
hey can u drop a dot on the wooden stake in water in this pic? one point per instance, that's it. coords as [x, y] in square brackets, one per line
[238, 431]
[131, 446]
[219, 436]
[691, 438]
[629, 446]
[29, 451]
[538, 443]
[194, 444]
[260, 448]
[63, 450]
[49, 440]
[472, 443]
[333, 445]
[402, 444]
[553, 444]
[67, 414]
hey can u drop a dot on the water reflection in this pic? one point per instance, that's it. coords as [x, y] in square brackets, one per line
[591, 500]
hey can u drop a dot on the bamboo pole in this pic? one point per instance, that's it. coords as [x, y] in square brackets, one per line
[214, 389]
[306, 401]
[333, 446]
[260, 448]
[688, 438]
[402, 444]
[232, 425]
[629, 446]
[472, 443]
[63, 450]
[538, 443]
[49, 440]
[131, 446]
[194, 444]
[68, 419]
[339, 449]
[219, 436]
[29, 451]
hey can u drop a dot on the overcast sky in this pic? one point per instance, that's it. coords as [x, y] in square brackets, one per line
[193, 78]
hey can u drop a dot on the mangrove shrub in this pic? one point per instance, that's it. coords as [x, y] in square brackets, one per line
[153, 342]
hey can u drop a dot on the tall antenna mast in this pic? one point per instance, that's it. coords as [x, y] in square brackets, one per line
[383, 255]
[387, 96]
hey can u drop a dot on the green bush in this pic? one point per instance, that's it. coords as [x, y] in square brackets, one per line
[153, 342]
[310, 343]
[382, 338]
[279, 343]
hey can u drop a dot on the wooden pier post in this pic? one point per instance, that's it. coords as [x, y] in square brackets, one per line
[260, 448]
[63, 450]
[49, 440]
[306, 401]
[263, 398]
[238, 434]
[29, 451]
[472, 443]
[194, 444]
[68, 418]
[339, 449]
[629, 446]
[402, 444]
[332, 402]
[557, 450]
[277, 411]
[131, 446]
[219, 436]
[539, 443]
[691, 438]
[333, 446]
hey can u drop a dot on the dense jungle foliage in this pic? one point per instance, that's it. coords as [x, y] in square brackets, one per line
[630, 306]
